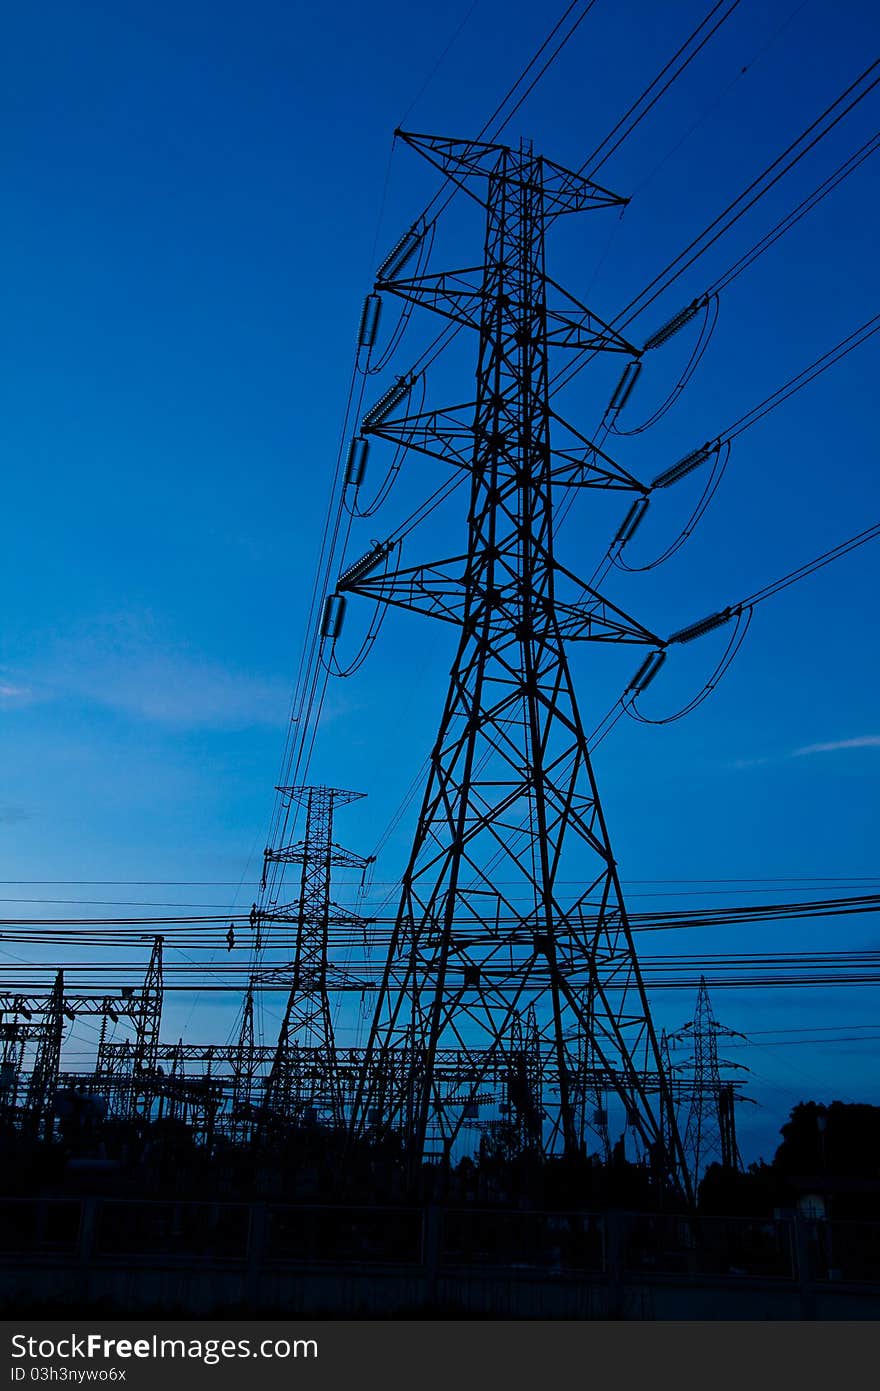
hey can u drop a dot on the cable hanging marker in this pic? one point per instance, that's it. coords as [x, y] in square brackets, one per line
[332, 616]
[623, 390]
[365, 565]
[677, 322]
[683, 467]
[399, 255]
[631, 522]
[369, 321]
[646, 672]
[385, 405]
[356, 463]
[705, 625]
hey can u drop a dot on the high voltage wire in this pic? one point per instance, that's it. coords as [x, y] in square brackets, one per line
[785, 224]
[820, 880]
[803, 378]
[816, 131]
[643, 921]
[649, 98]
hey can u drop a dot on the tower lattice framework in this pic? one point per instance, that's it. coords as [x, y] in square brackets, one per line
[511, 904]
[710, 1125]
[307, 1025]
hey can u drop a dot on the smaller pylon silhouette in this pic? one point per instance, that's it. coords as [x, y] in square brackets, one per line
[291, 1091]
[148, 1021]
[710, 1129]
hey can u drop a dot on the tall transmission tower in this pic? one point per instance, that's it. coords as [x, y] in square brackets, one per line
[710, 1128]
[308, 1018]
[488, 925]
[148, 1022]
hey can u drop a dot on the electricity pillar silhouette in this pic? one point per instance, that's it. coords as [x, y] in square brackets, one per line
[489, 922]
[16, 1030]
[44, 1078]
[243, 1071]
[148, 1020]
[308, 1021]
[710, 1129]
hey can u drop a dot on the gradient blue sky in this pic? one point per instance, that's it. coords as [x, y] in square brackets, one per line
[192, 198]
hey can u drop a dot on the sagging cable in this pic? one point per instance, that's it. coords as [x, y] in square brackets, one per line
[743, 616]
[721, 460]
[704, 338]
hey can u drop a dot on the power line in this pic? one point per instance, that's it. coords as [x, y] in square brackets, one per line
[657, 88]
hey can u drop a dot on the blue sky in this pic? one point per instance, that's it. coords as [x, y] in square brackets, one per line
[193, 204]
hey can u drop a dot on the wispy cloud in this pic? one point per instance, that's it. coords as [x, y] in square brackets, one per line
[12, 694]
[862, 741]
[123, 664]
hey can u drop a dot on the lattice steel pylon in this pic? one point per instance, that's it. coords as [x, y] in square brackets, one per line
[44, 1078]
[488, 924]
[244, 1072]
[148, 1023]
[308, 1017]
[710, 1127]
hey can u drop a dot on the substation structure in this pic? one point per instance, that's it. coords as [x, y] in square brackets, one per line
[257, 1095]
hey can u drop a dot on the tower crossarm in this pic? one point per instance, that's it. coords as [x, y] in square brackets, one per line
[447, 433]
[593, 618]
[129, 1006]
[459, 295]
[296, 855]
[465, 162]
[435, 589]
[440, 589]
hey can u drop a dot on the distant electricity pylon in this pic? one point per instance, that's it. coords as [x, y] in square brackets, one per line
[710, 1128]
[307, 1024]
[489, 926]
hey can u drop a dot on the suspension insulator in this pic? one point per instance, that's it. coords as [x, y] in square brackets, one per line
[369, 321]
[646, 672]
[365, 565]
[385, 405]
[332, 616]
[631, 522]
[357, 461]
[683, 467]
[705, 625]
[623, 390]
[677, 322]
[399, 255]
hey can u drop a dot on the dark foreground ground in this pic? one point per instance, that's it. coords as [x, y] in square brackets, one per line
[129, 1257]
